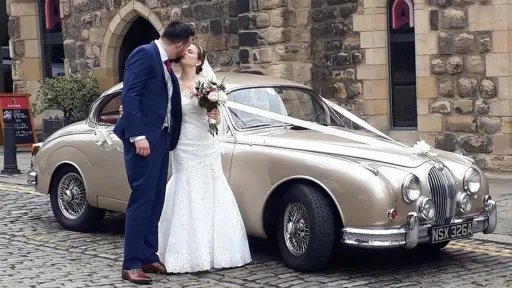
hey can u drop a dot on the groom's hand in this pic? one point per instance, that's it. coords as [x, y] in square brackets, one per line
[142, 147]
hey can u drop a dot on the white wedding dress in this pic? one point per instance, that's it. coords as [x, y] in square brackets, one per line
[201, 227]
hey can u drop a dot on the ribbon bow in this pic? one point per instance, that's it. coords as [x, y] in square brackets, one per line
[102, 135]
[423, 148]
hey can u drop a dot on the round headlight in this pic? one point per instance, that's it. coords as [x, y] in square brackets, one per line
[427, 209]
[464, 202]
[411, 188]
[472, 180]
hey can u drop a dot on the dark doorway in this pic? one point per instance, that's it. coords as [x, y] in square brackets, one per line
[402, 64]
[140, 32]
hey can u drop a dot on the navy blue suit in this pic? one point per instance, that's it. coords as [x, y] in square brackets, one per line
[144, 99]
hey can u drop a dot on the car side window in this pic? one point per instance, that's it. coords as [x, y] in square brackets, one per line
[261, 98]
[109, 112]
[288, 101]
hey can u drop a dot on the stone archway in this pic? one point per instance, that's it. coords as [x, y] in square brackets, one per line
[108, 73]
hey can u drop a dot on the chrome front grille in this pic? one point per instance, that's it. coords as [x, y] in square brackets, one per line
[442, 188]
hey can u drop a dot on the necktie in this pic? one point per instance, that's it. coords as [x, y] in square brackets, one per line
[168, 65]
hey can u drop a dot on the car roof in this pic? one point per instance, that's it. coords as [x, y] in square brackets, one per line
[234, 80]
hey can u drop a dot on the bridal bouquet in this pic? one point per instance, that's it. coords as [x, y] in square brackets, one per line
[210, 95]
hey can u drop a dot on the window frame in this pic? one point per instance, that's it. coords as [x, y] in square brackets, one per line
[98, 105]
[306, 90]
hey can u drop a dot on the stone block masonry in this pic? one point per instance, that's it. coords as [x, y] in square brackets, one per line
[463, 55]
[336, 52]
[94, 31]
[22, 28]
[471, 71]
[274, 38]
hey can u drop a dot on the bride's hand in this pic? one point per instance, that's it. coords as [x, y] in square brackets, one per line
[215, 114]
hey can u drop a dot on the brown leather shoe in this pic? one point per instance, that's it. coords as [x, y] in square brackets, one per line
[156, 267]
[136, 276]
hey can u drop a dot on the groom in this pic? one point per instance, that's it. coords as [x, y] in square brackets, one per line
[149, 128]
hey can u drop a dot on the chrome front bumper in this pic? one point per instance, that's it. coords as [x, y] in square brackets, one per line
[32, 177]
[411, 234]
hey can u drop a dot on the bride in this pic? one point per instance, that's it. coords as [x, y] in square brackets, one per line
[201, 227]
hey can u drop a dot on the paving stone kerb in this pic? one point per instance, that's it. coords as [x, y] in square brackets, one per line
[23, 160]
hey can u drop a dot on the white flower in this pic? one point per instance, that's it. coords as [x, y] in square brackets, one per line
[213, 96]
[102, 136]
[422, 148]
[223, 97]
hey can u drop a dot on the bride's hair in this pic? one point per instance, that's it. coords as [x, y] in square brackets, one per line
[201, 55]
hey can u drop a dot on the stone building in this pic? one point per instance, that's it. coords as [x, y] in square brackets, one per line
[3, 39]
[438, 70]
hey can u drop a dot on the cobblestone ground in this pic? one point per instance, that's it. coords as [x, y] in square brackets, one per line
[36, 252]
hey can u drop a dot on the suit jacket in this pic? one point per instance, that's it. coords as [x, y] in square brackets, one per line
[145, 98]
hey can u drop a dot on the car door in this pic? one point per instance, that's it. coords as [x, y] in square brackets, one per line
[109, 179]
[227, 144]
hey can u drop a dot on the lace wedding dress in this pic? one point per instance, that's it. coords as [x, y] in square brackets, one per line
[201, 226]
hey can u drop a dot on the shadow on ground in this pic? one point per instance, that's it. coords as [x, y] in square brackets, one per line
[348, 259]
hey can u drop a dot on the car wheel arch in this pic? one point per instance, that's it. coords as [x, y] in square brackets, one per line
[271, 204]
[59, 167]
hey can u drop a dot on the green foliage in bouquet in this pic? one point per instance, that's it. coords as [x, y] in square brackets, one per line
[204, 89]
[73, 94]
[210, 95]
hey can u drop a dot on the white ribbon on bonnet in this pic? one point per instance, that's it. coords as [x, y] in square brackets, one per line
[420, 149]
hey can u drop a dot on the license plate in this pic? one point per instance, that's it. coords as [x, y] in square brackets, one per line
[451, 232]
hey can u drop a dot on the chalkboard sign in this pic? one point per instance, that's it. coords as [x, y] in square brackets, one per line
[18, 105]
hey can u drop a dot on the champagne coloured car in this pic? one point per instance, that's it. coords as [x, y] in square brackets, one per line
[305, 173]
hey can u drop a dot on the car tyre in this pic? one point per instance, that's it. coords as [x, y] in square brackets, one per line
[318, 218]
[72, 211]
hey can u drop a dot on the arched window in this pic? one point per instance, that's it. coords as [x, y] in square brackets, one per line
[402, 64]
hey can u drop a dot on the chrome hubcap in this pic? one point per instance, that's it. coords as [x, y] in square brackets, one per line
[71, 196]
[296, 228]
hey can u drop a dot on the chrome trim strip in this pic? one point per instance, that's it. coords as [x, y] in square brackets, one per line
[492, 221]
[411, 231]
[411, 234]
[32, 177]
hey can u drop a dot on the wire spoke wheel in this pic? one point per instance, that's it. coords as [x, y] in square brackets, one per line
[71, 196]
[296, 228]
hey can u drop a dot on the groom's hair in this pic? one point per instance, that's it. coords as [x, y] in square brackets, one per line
[177, 31]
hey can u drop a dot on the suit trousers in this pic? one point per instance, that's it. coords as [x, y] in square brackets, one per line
[147, 177]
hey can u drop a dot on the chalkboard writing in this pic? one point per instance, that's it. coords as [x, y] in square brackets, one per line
[22, 125]
[18, 106]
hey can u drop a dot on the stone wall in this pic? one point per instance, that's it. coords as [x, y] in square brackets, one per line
[470, 113]
[350, 56]
[274, 38]
[4, 35]
[94, 29]
[4, 19]
[23, 28]
[336, 52]
[339, 47]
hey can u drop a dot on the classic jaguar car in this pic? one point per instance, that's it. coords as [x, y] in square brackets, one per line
[304, 186]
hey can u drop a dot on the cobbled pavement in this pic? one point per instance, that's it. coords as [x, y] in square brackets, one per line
[36, 252]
